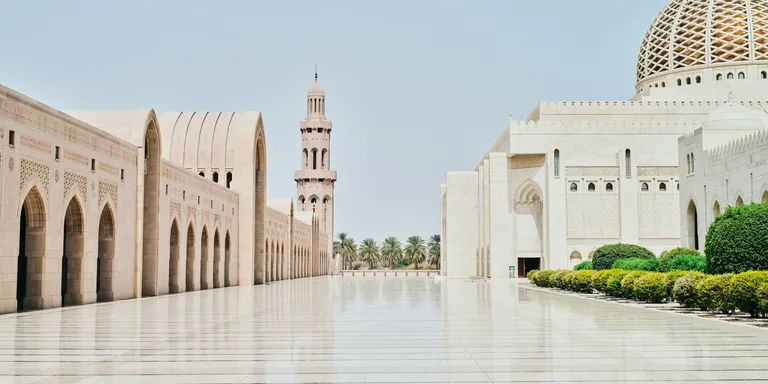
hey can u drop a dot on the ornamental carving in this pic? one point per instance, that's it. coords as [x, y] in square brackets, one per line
[592, 171]
[217, 221]
[56, 176]
[175, 210]
[191, 212]
[75, 181]
[107, 189]
[657, 171]
[30, 170]
[76, 157]
[36, 144]
[109, 168]
[10, 163]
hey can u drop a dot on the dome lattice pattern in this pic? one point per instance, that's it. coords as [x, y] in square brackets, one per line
[690, 33]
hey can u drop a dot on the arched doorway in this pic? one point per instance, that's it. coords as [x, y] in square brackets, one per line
[173, 260]
[693, 226]
[739, 201]
[529, 234]
[204, 282]
[216, 260]
[72, 255]
[266, 261]
[150, 230]
[32, 223]
[190, 268]
[259, 198]
[227, 261]
[106, 255]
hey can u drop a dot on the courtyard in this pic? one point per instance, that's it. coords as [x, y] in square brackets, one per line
[386, 330]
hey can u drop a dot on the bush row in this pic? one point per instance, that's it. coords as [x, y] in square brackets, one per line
[747, 291]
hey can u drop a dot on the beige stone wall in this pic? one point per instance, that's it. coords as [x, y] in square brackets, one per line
[75, 184]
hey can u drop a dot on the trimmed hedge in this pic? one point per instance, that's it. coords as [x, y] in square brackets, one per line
[628, 283]
[650, 287]
[637, 264]
[672, 279]
[762, 299]
[743, 290]
[679, 251]
[688, 263]
[737, 240]
[582, 281]
[713, 294]
[583, 266]
[532, 275]
[606, 255]
[613, 287]
[684, 291]
[600, 279]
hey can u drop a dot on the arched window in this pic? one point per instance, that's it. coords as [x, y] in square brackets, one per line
[628, 163]
[557, 163]
[730, 76]
[693, 164]
[215, 177]
[663, 84]
[764, 75]
[574, 187]
[688, 162]
[678, 186]
[591, 254]
[314, 159]
[719, 77]
[323, 159]
[688, 81]
[301, 203]
[698, 79]
[663, 187]
[716, 209]
[591, 187]
[229, 179]
[202, 174]
[742, 75]
[739, 201]
[609, 187]
[306, 158]
[679, 82]
[575, 256]
[644, 187]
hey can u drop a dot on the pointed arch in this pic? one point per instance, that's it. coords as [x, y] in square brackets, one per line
[260, 199]
[152, 148]
[105, 255]
[204, 258]
[32, 215]
[739, 201]
[216, 259]
[190, 258]
[72, 257]
[227, 261]
[715, 209]
[173, 259]
[575, 256]
[693, 225]
[323, 159]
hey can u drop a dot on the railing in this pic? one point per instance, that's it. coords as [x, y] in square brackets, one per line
[390, 272]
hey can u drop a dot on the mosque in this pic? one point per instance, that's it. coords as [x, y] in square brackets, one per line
[109, 205]
[654, 170]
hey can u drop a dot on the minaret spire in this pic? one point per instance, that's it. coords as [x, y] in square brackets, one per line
[315, 73]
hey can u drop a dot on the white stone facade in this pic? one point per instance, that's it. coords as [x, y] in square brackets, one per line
[109, 205]
[573, 176]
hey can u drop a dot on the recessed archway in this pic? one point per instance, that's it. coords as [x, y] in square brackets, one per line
[32, 225]
[72, 255]
[106, 256]
[716, 209]
[150, 227]
[693, 226]
[739, 201]
[765, 196]
[190, 267]
[173, 260]
[216, 260]
[204, 258]
[227, 261]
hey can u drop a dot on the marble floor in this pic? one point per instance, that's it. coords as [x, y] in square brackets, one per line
[385, 330]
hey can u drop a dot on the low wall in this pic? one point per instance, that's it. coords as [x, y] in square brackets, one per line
[390, 273]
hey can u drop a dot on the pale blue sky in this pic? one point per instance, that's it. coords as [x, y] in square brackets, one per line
[414, 88]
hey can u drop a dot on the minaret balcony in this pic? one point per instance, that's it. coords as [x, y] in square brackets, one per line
[314, 174]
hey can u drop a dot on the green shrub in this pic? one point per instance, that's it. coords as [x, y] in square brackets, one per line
[600, 279]
[713, 294]
[684, 290]
[568, 280]
[628, 283]
[582, 281]
[671, 278]
[544, 278]
[737, 240]
[606, 255]
[637, 264]
[583, 266]
[742, 290]
[556, 281]
[613, 286]
[688, 263]
[650, 287]
[667, 257]
[532, 275]
[762, 299]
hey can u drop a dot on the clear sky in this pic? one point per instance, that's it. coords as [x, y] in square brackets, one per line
[414, 88]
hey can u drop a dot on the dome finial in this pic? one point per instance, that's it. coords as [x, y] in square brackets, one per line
[315, 73]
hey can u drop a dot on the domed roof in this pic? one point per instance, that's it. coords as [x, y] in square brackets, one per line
[316, 90]
[693, 33]
[735, 116]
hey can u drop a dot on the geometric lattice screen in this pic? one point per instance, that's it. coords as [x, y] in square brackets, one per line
[689, 33]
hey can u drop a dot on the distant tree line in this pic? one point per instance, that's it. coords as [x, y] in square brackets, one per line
[416, 253]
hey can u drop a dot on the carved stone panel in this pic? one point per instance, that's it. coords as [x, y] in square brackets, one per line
[657, 171]
[107, 189]
[592, 171]
[31, 169]
[80, 182]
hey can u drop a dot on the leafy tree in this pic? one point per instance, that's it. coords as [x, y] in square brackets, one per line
[369, 252]
[415, 250]
[433, 248]
[345, 247]
[391, 251]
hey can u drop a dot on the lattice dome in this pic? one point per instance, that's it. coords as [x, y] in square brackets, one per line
[691, 33]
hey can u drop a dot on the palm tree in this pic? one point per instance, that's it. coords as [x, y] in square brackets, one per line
[415, 250]
[369, 252]
[433, 248]
[391, 251]
[346, 248]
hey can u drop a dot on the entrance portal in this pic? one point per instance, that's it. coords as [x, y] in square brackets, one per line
[527, 264]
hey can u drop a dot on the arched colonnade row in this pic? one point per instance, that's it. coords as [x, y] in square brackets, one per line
[697, 218]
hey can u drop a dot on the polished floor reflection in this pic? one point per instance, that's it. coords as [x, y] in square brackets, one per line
[383, 330]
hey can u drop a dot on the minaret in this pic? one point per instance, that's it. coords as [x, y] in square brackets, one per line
[315, 180]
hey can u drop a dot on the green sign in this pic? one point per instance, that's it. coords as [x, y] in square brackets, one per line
[511, 267]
